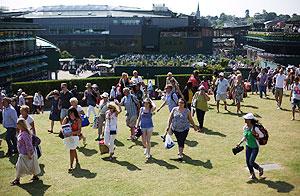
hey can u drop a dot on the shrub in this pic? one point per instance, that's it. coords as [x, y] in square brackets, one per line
[45, 86]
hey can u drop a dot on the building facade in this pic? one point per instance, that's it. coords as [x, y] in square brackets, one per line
[111, 31]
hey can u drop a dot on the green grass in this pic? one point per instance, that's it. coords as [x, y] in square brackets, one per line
[212, 169]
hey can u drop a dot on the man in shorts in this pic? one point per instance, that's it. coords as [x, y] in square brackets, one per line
[295, 96]
[222, 88]
[132, 107]
[64, 101]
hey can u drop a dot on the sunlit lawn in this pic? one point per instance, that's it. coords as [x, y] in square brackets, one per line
[209, 167]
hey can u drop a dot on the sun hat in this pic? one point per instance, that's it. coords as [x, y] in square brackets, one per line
[94, 86]
[104, 95]
[249, 116]
[113, 104]
[88, 85]
[55, 92]
[221, 74]
[20, 90]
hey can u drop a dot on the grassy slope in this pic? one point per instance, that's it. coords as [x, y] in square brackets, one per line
[212, 169]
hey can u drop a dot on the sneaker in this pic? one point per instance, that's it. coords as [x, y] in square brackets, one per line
[97, 139]
[84, 141]
[261, 171]
[252, 177]
[148, 156]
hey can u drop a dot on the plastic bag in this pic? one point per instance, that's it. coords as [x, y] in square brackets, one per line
[169, 142]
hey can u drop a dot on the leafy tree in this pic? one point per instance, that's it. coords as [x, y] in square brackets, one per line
[65, 55]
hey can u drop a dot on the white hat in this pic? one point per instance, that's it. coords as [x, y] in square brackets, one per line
[20, 90]
[221, 74]
[105, 95]
[249, 116]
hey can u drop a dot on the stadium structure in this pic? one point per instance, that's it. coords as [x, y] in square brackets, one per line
[111, 31]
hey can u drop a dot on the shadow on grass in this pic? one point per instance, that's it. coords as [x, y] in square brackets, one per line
[250, 106]
[78, 172]
[87, 152]
[13, 159]
[119, 143]
[191, 143]
[189, 160]
[129, 166]
[140, 143]
[35, 188]
[161, 163]
[280, 186]
[155, 133]
[286, 110]
[212, 132]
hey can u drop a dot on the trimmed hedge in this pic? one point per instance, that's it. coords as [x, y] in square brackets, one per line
[160, 80]
[45, 86]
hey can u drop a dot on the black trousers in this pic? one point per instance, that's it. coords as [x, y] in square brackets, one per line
[200, 117]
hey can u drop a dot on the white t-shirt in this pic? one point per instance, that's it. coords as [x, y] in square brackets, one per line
[222, 86]
[78, 108]
[279, 80]
[29, 120]
[111, 121]
[137, 80]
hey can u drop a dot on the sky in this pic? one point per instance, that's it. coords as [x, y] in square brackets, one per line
[207, 7]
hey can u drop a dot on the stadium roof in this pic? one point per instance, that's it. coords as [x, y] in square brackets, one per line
[62, 11]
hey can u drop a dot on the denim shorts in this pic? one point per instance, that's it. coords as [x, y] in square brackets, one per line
[295, 103]
[147, 129]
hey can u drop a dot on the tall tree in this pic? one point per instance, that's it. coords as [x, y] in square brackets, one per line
[247, 13]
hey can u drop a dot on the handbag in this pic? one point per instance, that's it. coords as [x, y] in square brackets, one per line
[102, 147]
[138, 132]
[237, 149]
[84, 121]
[36, 140]
[66, 130]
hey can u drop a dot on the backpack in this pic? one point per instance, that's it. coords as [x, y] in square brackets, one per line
[263, 140]
[172, 97]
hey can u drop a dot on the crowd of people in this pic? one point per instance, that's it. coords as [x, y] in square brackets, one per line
[135, 96]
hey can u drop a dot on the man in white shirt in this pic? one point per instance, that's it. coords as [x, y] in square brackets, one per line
[22, 99]
[279, 79]
[222, 87]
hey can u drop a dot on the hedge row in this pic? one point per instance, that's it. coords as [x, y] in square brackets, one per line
[160, 80]
[45, 86]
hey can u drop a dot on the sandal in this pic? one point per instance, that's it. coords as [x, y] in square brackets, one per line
[70, 170]
[15, 182]
[50, 131]
[261, 171]
[34, 178]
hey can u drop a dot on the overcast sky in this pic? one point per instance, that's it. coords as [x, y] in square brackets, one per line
[207, 7]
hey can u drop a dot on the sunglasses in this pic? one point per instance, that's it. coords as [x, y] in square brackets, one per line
[181, 102]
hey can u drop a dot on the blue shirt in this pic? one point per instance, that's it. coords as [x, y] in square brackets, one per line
[146, 119]
[10, 117]
[171, 100]
[130, 102]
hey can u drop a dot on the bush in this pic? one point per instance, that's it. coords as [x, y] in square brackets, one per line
[160, 80]
[45, 86]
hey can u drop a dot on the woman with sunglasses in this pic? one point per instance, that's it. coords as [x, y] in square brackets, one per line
[146, 123]
[179, 123]
[111, 120]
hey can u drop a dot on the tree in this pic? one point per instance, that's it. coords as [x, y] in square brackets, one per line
[247, 13]
[65, 55]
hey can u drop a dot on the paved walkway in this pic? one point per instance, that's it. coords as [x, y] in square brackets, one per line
[65, 75]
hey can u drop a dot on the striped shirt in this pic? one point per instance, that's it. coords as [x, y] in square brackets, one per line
[130, 102]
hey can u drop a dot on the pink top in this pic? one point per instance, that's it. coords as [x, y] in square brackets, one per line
[24, 144]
